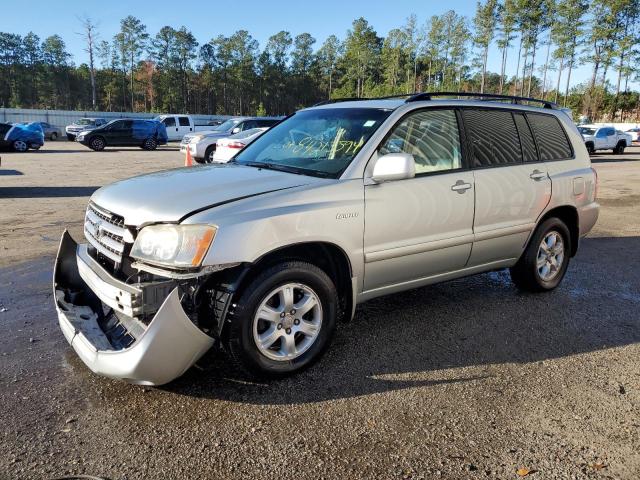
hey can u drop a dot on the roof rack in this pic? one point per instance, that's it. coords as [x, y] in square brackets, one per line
[362, 99]
[484, 96]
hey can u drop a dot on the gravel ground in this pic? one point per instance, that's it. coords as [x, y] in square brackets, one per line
[467, 379]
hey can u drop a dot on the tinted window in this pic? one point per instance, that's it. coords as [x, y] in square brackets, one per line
[4, 128]
[116, 125]
[266, 123]
[526, 139]
[550, 137]
[169, 122]
[494, 136]
[431, 136]
[248, 125]
[184, 121]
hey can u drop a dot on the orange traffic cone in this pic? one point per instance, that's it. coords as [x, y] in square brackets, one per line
[188, 161]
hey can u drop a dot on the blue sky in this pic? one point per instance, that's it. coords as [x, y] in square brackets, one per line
[207, 19]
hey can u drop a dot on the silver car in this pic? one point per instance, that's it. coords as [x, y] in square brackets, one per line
[338, 204]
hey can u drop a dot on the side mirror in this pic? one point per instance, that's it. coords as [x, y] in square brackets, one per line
[394, 166]
[236, 130]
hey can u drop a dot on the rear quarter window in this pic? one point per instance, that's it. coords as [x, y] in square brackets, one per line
[551, 138]
[184, 121]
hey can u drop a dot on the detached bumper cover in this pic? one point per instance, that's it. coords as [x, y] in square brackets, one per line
[162, 352]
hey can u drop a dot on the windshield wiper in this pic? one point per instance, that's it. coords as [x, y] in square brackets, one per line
[287, 168]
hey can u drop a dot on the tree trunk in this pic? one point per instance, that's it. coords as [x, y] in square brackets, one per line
[503, 68]
[515, 81]
[566, 90]
[546, 66]
[533, 65]
[484, 68]
[559, 78]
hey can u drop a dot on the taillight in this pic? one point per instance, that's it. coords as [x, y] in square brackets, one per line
[595, 190]
[235, 145]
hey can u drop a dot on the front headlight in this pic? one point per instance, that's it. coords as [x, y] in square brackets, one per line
[179, 246]
[196, 139]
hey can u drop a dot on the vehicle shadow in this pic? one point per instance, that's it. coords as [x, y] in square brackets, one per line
[454, 332]
[46, 192]
[10, 173]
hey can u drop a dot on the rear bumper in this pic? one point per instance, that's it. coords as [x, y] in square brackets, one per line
[587, 217]
[155, 355]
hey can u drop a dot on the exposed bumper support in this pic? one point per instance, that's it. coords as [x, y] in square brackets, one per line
[162, 352]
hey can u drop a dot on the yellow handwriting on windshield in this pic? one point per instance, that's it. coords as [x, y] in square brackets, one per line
[313, 147]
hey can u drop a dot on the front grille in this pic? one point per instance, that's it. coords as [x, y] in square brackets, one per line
[105, 231]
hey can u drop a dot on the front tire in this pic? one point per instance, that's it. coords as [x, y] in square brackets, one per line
[53, 136]
[20, 146]
[97, 144]
[283, 321]
[208, 154]
[590, 148]
[71, 138]
[619, 150]
[150, 144]
[546, 259]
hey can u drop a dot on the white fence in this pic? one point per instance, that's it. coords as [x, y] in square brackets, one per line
[62, 118]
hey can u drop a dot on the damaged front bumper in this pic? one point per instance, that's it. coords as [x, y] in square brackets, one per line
[96, 315]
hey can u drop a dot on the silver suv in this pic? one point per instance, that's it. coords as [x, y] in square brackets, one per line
[338, 204]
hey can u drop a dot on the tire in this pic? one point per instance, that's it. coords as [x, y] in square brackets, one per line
[53, 136]
[20, 146]
[71, 138]
[590, 148]
[619, 148]
[208, 154]
[540, 269]
[275, 357]
[97, 144]
[150, 144]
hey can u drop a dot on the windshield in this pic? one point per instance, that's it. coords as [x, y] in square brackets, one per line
[84, 121]
[587, 131]
[228, 125]
[320, 142]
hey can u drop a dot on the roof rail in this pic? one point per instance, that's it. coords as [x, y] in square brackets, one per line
[338, 100]
[485, 96]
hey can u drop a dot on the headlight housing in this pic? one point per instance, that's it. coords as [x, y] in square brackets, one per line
[196, 138]
[177, 246]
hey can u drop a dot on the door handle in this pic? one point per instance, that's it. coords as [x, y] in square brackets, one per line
[460, 186]
[537, 175]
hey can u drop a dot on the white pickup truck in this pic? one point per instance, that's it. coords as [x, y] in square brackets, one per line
[180, 125]
[604, 138]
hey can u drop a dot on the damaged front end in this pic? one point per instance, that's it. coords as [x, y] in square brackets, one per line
[142, 331]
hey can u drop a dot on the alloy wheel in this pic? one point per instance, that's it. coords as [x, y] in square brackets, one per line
[550, 256]
[287, 322]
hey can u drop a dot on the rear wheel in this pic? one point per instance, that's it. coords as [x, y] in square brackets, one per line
[590, 148]
[619, 148]
[283, 320]
[20, 146]
[150, 144]
[546, 259]
[97, 144]
[53, 136]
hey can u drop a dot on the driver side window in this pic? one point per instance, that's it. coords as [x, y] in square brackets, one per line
[431, 136]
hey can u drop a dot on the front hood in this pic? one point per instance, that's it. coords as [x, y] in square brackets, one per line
[172, 195]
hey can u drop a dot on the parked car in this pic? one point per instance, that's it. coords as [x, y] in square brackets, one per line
[21, 137]
[604, 138]
[84, 124]
[203, 145]
[634, 133]
[50, 131]
[180, 125]
[335, 205]
[146, 134]
[227, 147]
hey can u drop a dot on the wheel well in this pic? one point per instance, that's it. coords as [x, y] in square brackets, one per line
[326, 256]
[569, 215]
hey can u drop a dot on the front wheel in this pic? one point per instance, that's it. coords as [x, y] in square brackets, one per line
[283, 321]
[150, 144]
[619, 150]
[97, 144]
[53, 136]
[20, 146]
[208, 154]
[546, 259]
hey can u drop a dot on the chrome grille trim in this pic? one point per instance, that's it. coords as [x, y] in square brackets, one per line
[106, 232]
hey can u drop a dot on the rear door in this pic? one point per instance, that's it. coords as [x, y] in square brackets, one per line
[184, 126]
[4, 129]
[512, 183]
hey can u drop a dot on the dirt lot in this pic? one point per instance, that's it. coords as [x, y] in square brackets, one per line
[468, 379]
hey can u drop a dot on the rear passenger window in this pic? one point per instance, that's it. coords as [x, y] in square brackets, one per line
[494, 137]
[529, 153]
[431, 136]
[550, 137]
[184, 121]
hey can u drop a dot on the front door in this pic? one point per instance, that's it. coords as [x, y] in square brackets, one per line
[420, 227]
[173, 131]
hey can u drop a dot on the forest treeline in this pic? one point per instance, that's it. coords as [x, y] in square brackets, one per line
[170, 71]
